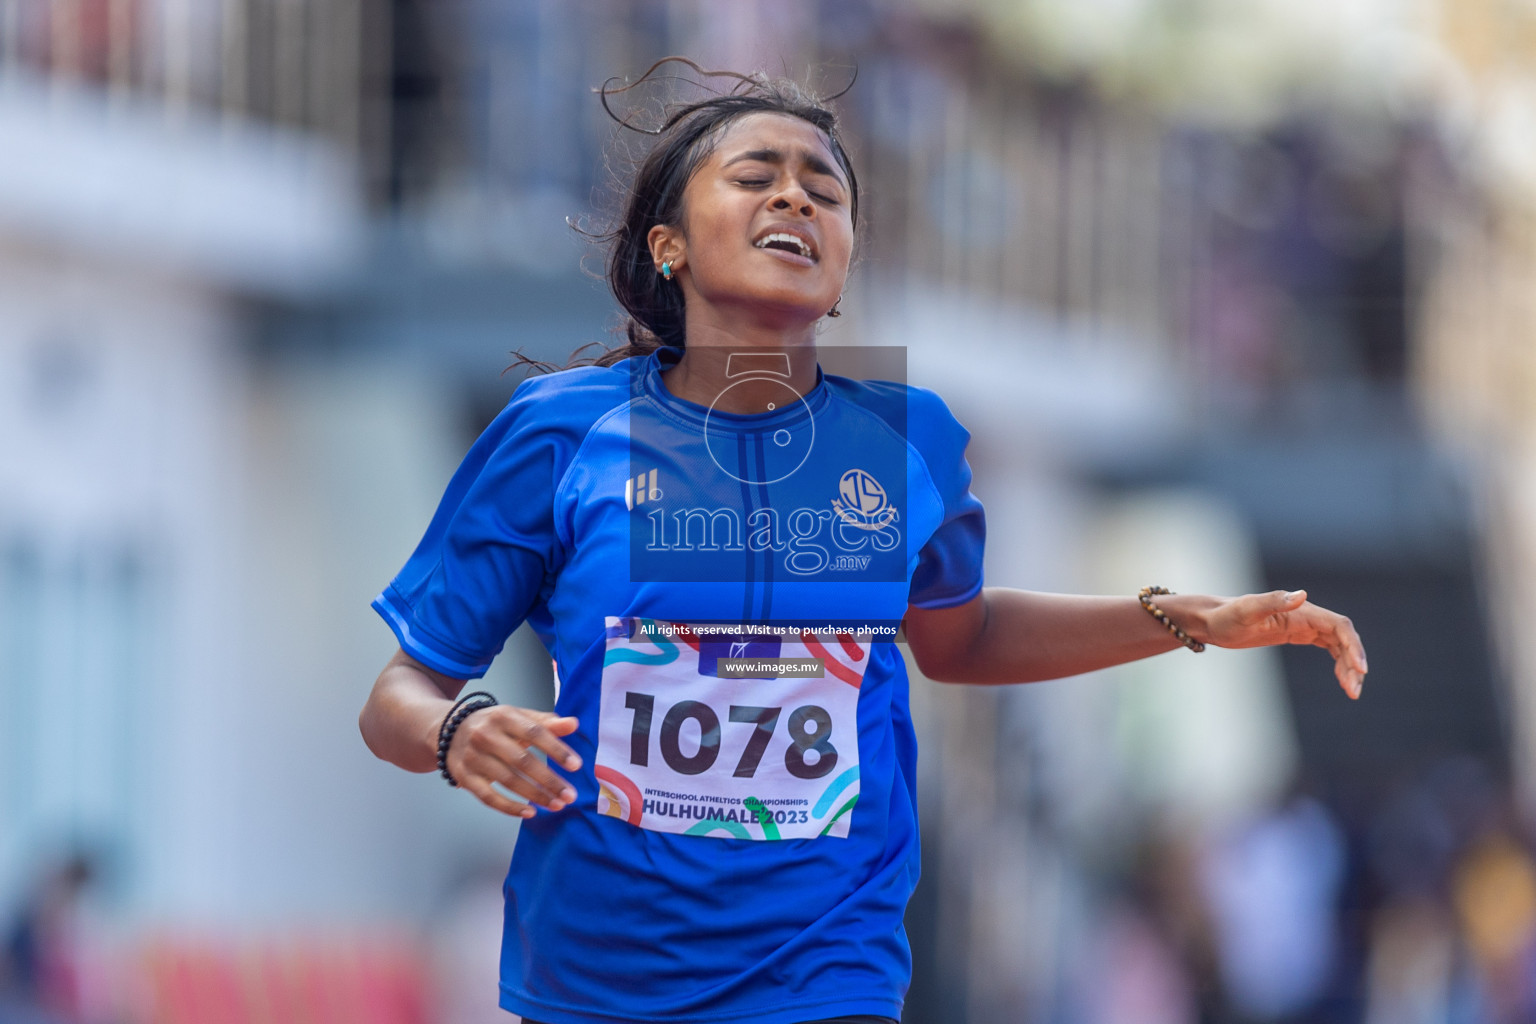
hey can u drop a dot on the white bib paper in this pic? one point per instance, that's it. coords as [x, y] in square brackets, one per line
[684, 747]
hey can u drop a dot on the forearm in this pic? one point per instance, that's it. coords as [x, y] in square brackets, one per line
[401, 718]
[1024, 636]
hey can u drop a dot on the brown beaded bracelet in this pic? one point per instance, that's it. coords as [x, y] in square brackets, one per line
[1145, 596]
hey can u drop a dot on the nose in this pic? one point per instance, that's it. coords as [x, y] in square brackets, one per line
[793, 197]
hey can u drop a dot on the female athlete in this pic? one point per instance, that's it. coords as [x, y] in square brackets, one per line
[716, 542]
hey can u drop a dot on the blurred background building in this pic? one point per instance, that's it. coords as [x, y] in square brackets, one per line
[1231, 293]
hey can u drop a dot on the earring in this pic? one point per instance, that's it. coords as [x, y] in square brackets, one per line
[666, 271]
[834, 311]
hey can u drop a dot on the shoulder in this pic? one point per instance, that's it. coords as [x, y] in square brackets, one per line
[918, 414]
[565, 400]
[583, 385]
[546, 420]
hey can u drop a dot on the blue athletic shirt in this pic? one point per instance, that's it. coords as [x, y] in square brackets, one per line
[744, 840]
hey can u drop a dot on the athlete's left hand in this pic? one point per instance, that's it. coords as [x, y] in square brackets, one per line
[1278, 617]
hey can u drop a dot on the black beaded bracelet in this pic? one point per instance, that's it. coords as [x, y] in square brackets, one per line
[1145, 597]
[462, 709]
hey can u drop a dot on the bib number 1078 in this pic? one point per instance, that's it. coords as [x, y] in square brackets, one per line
[810, 755]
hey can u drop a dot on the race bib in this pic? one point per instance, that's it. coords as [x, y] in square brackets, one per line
[746, 735]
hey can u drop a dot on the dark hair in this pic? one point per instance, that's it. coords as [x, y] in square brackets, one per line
[685, 138]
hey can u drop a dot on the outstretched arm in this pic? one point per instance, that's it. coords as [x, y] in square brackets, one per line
[1018, 636]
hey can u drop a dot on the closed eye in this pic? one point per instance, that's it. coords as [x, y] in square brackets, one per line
[820, 197]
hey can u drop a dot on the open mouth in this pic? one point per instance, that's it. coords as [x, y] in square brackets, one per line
[784, 241]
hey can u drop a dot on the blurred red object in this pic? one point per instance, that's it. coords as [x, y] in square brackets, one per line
[313, 981]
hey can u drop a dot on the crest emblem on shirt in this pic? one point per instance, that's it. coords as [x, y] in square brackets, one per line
[862, 502]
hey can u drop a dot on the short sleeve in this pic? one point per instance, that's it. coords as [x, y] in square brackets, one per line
[486, 555]
[949, 565]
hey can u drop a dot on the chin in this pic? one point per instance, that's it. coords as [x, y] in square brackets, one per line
[784, 307]
[796, 314]
[794, 303]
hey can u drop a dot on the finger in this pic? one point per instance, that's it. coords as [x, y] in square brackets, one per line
[1346, 644]
[521, 771]
[543, 729]
[487, 771]
[547, 788]
[487, 794]
[530, 791]
[1352, 681]
[1336, 632]
[1336, 635]
[560, 725]
[1356, 648]
[1268, 611]
[1282, 603]
[1342, 642]
[1277, 601]
[1311, 624]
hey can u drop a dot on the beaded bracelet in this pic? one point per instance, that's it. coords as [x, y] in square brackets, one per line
[1145, 596]
[466, 706]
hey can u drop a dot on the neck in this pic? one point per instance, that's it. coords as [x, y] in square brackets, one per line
[739, 369]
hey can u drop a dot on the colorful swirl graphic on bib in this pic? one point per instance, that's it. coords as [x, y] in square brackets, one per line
[665, 653]
[617, 796]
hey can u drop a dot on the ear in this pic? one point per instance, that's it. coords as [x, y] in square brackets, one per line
[667, 246]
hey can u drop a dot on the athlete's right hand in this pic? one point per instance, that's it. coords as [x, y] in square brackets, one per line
[495, 747]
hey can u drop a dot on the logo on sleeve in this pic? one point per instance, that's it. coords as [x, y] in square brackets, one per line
[640, 489]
